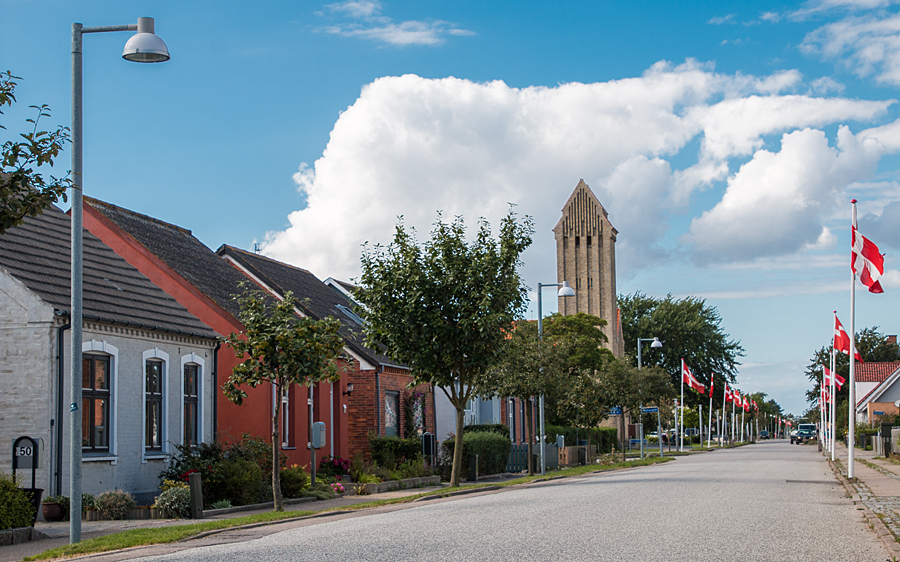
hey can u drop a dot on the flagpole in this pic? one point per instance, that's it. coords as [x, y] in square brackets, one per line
[851, 420]
[724, 413]
[709, 425]
[833, 404]
[681, 427]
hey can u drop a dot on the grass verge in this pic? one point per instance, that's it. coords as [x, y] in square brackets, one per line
[174, 533]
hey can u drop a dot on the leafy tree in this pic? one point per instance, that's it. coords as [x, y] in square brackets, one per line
[689, 329]
[23, 189]
[281, 349]
[528, 367]
[445, 308]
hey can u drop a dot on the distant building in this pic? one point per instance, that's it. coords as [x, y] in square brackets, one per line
[586, 258]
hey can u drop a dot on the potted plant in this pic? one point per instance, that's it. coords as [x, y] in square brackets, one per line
[55, 508]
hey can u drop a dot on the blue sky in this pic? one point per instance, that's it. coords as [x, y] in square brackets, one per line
[724, 138]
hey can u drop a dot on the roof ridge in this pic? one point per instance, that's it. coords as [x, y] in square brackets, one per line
[98, 203]
[273, 260]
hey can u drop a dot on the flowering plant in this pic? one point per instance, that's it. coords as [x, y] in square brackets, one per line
[338, 488]
[334, 466]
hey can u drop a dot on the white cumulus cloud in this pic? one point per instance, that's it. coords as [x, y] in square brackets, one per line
[412, 146]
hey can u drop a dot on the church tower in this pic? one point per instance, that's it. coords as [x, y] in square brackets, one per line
[586, 258]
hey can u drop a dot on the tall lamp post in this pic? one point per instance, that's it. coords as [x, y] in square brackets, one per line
[655, 345]
[564, 291]
[144, 46]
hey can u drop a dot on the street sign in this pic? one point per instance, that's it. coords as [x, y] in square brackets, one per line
[877, 413]
[649, 410]
[615, 411]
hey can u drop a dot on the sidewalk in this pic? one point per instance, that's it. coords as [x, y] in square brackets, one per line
[58, 533]
[877, 488]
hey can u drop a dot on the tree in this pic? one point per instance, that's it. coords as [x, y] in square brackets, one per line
[630, 387]
[281, 349]
[872, 346]
[23, 189]
[689, 330]
[445, 308]
[529, 366]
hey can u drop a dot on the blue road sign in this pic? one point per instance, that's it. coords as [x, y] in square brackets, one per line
[649, 410]
[615, 411]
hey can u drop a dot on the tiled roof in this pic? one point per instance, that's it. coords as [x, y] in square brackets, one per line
[181, 251]
[885, 371]
[38, 254]
[315, 298]
[875, 371]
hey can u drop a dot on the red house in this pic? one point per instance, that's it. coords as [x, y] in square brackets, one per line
[371, 395]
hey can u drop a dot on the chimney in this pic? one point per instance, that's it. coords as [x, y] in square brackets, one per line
[892, 339]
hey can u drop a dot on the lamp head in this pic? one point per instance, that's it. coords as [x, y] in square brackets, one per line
[656, 343]
[145, 45]
[565, 290]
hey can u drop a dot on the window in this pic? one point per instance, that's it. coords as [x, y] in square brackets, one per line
[153, 395]
[392, 414]
[95, 403]
[286, 417]
[191, 403]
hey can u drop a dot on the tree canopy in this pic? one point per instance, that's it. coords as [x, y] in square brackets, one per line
[689, 329]
[283, 349]
[446, 307]
[23, 189]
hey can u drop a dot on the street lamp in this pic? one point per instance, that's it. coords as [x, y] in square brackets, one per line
[144, 46]
[655, 345]
[564, 291]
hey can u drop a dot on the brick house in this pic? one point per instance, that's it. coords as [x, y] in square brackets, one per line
[205, 283]
[147, 365]
[876, 390]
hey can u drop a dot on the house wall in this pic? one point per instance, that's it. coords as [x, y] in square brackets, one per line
[27, 367]
[887, 407]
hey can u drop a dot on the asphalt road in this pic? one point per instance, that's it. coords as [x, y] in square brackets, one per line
[770, 501]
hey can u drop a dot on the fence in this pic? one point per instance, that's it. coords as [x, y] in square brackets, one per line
[518, 457]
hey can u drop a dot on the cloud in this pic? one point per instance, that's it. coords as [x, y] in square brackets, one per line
[366, 22]
[867, 46]
[825, 85]
[719, 20]
[776, 202]
[882, 229]
[412, 146]
[815, 7]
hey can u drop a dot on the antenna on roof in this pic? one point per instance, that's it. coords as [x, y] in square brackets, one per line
[256, 247]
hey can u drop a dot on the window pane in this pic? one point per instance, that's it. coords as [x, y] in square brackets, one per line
[100, 416]
[86, 372]
[101, 374]
[190, 380]
[85, 422]
[391, 412]
[190, 423]
[154, 377]
[153, 424]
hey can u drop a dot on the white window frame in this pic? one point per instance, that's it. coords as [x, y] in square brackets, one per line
[155, 353]
[107, 348]
[201, 393]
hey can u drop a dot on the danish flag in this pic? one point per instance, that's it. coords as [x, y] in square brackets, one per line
[866, 260]
[838, 379]
[688, 378]
[842, 340]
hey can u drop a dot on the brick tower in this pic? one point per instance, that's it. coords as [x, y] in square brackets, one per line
[586, 258]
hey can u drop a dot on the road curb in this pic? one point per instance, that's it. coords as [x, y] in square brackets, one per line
[881, 531]
[465, 492]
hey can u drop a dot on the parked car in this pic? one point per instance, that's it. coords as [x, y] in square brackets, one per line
[805, 432]
[764, 434]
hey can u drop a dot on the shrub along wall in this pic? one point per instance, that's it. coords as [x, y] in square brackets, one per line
[389, 452]
[492, 450]
[499, 428]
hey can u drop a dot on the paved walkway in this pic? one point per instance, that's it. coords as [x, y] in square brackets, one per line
[58, 533]
[877, 487]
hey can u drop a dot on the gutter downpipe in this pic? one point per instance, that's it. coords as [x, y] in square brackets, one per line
[378, 399]
[60, 388]
[215, 401]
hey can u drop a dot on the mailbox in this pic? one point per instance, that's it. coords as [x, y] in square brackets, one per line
[318, 435]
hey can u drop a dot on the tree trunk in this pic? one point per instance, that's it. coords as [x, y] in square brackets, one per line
[276, 453]
[458, 448]
[530, 430]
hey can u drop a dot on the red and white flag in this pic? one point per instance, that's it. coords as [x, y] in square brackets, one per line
[842, 340]
[866, 260]
[736, 397]
[746, 404]
[712, 383]
[838, 379]
[689, 379]
[727, 393]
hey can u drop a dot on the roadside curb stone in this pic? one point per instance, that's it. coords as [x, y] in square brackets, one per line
[874, 508]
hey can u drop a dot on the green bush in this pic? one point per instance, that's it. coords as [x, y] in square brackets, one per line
[174, 503]
[293, 481]
[492, 450]
[114, 504]
[16, 509]
[222, 504]
[320, 491]
[333, 466]
[239, 480]
[388, 452]
[88, 502]
[488, 427]
[603, 437]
